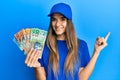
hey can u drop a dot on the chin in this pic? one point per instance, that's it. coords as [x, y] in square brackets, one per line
[59, 33]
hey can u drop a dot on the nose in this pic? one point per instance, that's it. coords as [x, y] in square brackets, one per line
[58, 23]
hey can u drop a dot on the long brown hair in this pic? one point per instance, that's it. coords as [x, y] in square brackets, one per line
[72, 44]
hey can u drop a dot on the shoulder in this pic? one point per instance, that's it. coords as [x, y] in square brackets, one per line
[81, 43]
[82, 46]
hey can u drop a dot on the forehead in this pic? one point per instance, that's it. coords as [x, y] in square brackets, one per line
[57, 15]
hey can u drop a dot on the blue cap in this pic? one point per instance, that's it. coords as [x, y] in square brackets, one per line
[63, 9]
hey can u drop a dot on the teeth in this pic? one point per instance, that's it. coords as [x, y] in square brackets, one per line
[58, 29]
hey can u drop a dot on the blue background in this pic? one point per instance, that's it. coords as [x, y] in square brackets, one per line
[91, 18]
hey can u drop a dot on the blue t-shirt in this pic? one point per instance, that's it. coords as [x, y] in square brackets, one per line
[83, 55]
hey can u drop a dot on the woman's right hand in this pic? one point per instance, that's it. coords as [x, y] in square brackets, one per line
[32, 61]
[32, 58]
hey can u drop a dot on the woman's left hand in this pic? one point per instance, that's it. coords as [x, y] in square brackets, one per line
[101, 42]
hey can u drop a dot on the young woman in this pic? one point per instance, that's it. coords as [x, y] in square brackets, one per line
[65, 57]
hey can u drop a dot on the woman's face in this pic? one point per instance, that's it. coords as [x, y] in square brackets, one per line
[59, 24]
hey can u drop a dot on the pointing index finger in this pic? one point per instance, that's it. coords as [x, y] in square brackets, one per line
[106, 38]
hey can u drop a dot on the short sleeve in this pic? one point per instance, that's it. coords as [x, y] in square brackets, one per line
[83, 53]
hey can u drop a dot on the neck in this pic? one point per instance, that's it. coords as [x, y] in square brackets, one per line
[61, 37]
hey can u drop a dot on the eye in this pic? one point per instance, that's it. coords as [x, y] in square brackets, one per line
[63, 19]
[53, 19]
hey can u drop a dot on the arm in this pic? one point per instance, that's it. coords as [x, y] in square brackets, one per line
[40, 73]
[32, 61]
[84, 73]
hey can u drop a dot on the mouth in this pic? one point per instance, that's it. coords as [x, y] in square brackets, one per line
[59, 28]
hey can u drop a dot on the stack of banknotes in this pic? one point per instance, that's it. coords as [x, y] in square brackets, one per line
[30, 38]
